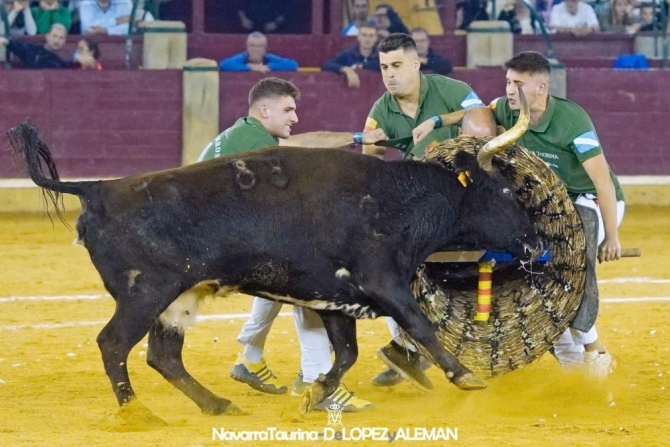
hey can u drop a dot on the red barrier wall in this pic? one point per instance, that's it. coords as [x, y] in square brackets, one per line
[314, 50]
[119, 123]
[97, 123]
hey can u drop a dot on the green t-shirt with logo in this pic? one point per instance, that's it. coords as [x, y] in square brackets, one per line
[564, 138]
[246, 135]
[439, 95]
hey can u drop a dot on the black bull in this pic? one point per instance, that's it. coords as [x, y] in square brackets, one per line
[341, 233]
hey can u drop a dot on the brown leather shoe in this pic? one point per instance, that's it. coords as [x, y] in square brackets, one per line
[405, 363]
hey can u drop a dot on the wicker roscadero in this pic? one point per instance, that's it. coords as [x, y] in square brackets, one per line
[532, 303]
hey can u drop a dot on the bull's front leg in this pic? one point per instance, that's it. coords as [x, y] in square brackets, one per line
[341, 331]
[397, 300]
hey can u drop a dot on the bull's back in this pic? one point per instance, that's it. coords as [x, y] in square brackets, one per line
[268, 201]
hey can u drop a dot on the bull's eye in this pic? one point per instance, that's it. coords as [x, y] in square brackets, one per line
[507, 191]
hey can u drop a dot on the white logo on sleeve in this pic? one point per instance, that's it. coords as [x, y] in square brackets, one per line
[586, 141]
[472, 100]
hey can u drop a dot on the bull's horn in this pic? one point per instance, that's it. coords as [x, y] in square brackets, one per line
[502, 142]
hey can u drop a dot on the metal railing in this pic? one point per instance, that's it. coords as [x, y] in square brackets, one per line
[661, 33]
[537, 17]
[129, 37]
[5, 21]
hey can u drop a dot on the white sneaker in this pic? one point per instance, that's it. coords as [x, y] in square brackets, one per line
[599, 365]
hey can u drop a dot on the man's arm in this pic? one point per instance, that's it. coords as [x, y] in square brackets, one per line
[331, 139]
[31, 27]
[120, 29]
[374, 122]
[372, 64]
[64, 16]
[25, 51]
[277, 63]
[337, 63]
[469, 100]
[599, 172]
[87, 16]
[440, 64]
[235, 63]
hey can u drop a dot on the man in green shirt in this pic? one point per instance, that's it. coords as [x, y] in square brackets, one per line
[272, 113]
[50, 12]
[563, 135]
[412, 97]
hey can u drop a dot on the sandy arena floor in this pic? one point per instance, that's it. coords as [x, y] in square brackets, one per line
[54, 392]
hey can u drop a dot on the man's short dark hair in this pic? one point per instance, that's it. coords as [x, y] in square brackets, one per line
[272, 88]
[397, 41]
[93, 46]
[530, 62]
[368, 25]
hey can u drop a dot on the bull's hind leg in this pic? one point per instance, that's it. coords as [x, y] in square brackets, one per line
[397, 300]
[341, 331]
[136, 310]
[165, 348]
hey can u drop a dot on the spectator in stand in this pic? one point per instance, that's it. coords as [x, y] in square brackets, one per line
[647, 17]
[617, 18]
[44, 56]
[468, 11]
[543, 7]
[360, 10]
[87, 54]
[256, 58]
[362, 56]
[388, 21]
[50, 12]
[431, 62]
[20, 19]
[518, 15]
[266, 16]
[574, 16]
[110, 17]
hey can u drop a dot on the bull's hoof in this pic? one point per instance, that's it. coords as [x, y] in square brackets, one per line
[234, 410]
[469, 381]
[134, 413]
[312, 396]
[223, 406]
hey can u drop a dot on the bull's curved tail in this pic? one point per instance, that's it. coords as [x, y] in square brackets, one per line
[25, 140]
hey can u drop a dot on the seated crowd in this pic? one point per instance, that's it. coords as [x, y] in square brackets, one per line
[370, 21]
[582, 17]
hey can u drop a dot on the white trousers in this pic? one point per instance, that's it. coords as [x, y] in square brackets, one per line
[569, 349]
[314, 342]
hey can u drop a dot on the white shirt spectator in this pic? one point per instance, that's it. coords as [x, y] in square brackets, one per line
[91, 15]
[561, 18]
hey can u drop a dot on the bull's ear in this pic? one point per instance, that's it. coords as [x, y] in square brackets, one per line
[464, 161]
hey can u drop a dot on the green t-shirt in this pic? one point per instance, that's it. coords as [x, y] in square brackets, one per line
[45, 18]
[439, 95]
[564, 138]
[246, 135]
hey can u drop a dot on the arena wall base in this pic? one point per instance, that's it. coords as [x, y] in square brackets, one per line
[21, 196]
